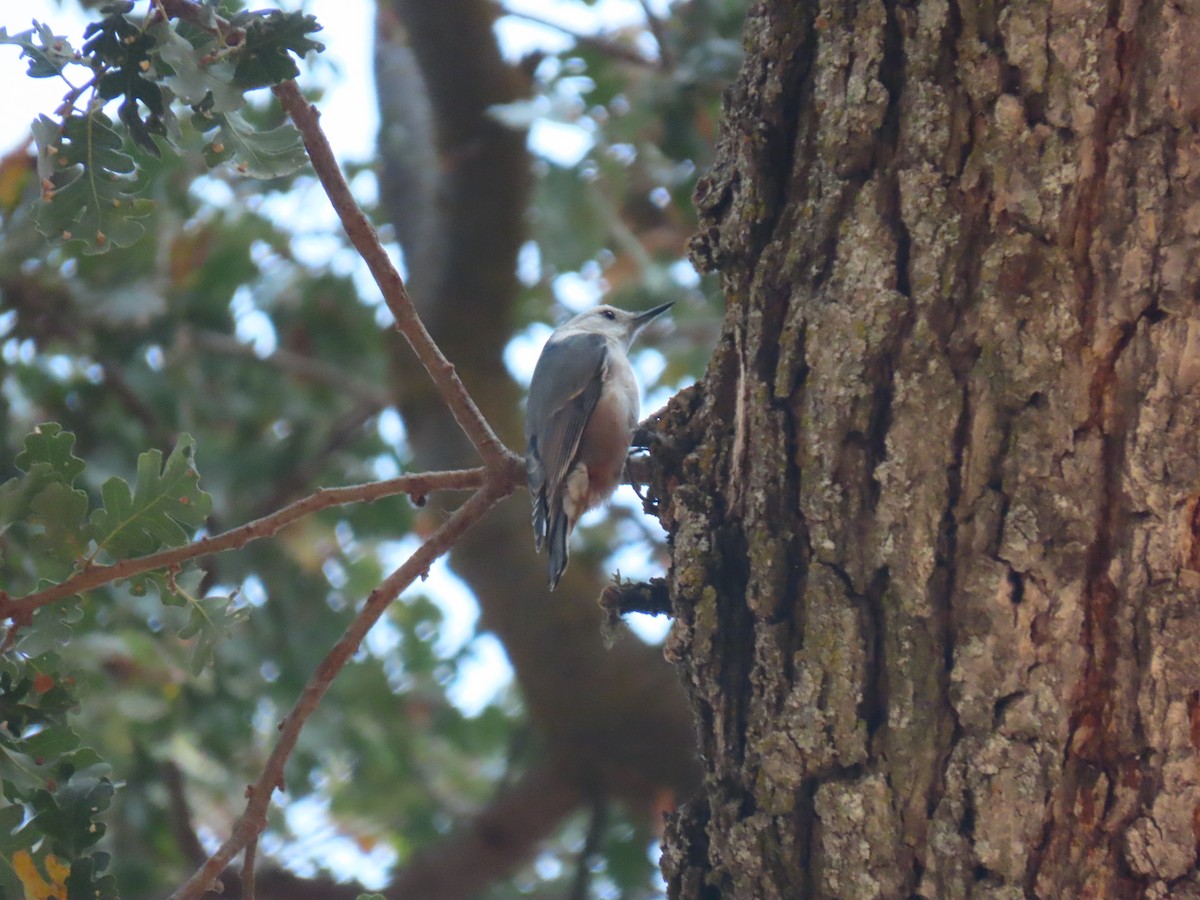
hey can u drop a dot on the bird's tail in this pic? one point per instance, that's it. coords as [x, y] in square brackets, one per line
[537, 492]
[557, 545]
[539, 521]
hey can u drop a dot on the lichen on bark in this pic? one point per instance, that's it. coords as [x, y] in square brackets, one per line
[935, 507]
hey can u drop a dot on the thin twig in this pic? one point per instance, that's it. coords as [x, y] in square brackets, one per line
[508, 829]
[248, 868]
[254, 818]
[67, 106]
[152, 425]
[342, 432]
[655, 24]
[601, 44]
[305, 368]
[181, 815]
[592, 845]
[417, 486]
[366, 242]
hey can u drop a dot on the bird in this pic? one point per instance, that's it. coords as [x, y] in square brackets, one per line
[579, 422]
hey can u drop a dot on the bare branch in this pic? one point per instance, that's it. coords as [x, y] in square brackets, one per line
[653, 598]
[601, 44]
[181, 815]
[655, 25]
[254, 818]
[417, 486]
[592, 845]
[366, 242]
[296, 481]
[248, 868]
[305, 368]
[495, 840]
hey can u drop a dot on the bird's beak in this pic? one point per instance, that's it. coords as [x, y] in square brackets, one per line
[643, 319]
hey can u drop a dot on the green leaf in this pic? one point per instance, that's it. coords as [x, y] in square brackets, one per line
[85, 879]
[19, 772]
[135, 88]
[164, 499]
[51, 629]
[53, 512]
[67, 815]
[49, 444]
[61, 512]
[212, 620]
[51, 742]
[259, 154]
[89, 140]
[91, 177]
[197, 79]
[120, 49]
[33, 691]
[47, 52]
[35, 696]
[12, 836]
[17, 494]
[113, 40]
[263, 58]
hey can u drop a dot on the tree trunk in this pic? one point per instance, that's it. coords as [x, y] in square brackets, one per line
[934, 505]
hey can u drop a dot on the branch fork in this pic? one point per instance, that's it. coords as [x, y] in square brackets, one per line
[501, 474]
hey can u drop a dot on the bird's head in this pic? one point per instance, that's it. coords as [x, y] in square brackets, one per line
[615, 324]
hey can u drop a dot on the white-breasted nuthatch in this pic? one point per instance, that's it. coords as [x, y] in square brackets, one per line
[582, 410]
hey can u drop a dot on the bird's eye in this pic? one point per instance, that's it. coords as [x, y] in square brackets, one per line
[608, 314]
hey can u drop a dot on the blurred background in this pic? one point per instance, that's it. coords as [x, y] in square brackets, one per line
[522, 161]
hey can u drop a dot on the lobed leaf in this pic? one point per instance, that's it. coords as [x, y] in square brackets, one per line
[121, 48]
[259, 154]
[85, 879]
[47, 52]
[67, 816]
[43, 498]
[35, 741]
[264, 59]
[51, 629]
[14, 837]
[65, 535]
[212, 620]
[89, 198]
[49, 444]
[50, 742]
[197, 79]
[55, 787]
[152, 515]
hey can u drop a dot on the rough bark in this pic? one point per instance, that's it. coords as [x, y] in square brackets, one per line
[934, 505]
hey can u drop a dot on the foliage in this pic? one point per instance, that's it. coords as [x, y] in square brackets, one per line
[171, 323]
[89, 182]
[55, 786]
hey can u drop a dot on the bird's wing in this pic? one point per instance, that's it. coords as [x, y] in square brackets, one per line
[561, 401]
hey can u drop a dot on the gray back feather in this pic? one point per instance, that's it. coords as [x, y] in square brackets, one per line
[562, 395]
